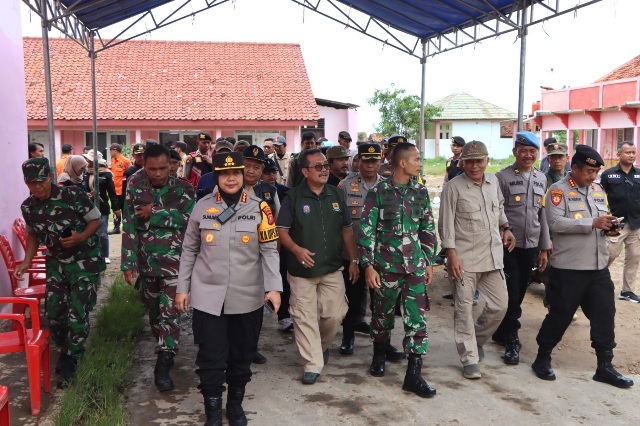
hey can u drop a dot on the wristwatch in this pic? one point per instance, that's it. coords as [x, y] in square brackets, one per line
[507, 228]
[354, 261]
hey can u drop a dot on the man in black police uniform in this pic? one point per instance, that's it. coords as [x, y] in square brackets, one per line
[576, 210]
[453, 170]
[622, 184]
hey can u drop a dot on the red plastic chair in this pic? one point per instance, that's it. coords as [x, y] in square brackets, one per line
[4, 406]
[34, 342]
[20, 229]
[37, 276]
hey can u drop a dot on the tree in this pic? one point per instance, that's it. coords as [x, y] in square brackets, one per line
[362, 136]
[400, 113]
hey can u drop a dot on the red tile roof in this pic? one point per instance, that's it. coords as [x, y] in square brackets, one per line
[172, 80]
[629, 70]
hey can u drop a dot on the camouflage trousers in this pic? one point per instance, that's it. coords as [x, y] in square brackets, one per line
[415, 304]
[71, 296]
[158, 294]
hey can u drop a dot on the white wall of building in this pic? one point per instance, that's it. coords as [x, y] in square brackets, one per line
[483, 131]
[13, 121]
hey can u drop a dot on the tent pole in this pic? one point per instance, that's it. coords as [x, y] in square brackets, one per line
[423, 62]
[47, 82]
[92, 56]
[523, 59]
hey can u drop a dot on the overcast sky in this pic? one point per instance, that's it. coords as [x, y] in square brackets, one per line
[343, 65]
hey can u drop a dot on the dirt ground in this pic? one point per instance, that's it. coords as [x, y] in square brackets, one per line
[346, 394]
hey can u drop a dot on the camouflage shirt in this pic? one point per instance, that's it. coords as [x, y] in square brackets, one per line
[67, 206]
[153, 246]
[397, 228]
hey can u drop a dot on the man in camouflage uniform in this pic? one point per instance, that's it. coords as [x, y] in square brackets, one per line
[397, 250]
[65, 220]
[156, 213]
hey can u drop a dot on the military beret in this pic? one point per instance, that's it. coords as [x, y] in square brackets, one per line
[370, 151]
[458, 140]
[228, 161]
[138, 148]
[181, 145]
[474, 150]
[270, 166]
[279, 140]
[395, 140]
[254, 152]
[204, 136]
[344, 135]
[174, 155]
[223, 144]
[549, 141]
[36, 170]
[557, 148]
[150, 142]
[337, 151]
[527, 139]
[587, 155]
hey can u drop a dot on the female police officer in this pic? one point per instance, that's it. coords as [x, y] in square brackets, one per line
[229, 261]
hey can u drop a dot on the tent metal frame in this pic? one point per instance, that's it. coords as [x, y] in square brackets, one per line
[522, 14]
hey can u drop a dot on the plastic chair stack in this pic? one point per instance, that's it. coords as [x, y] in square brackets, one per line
[4, 406]
[34, 342]
[37, 275]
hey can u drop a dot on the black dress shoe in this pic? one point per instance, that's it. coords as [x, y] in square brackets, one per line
[346, 348]
[112, 232]
[309, 378]
[258, 358]
[542, 367]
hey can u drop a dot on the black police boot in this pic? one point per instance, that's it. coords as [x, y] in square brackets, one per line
[114, 231]
[235, 413]
[542, 365]
[67, 369]
[392, 354]
[512, 349]
[213, 410]
[346, 348]
[377, 364]
[413, 381]
[605, 372]
[499, 338]
[161, 372]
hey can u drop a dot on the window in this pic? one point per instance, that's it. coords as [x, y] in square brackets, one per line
[591, 138]
[190, 137]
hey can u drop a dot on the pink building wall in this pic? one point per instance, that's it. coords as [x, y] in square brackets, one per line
[336, 120]
[13, 121]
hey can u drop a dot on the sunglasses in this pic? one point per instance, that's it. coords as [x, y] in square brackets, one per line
[319, 167]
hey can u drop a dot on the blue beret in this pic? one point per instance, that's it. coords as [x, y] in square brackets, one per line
[527, 139]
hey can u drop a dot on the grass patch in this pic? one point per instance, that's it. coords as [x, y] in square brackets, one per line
[97, 395]
[438, 166]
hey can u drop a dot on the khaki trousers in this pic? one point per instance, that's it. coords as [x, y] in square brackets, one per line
[317, 307]
[467, 334]
[631, 240]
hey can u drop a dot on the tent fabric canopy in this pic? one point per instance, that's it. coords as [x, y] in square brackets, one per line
[420, 18]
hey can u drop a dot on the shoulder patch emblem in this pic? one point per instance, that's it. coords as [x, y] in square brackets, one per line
[556, 196]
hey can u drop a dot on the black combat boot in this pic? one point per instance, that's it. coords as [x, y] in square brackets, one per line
[235, 413]
[605, 372]
[512, 349]
[413, 381]
[67, 369]
[377, 364]
[542, 365]
[392, 354]
[161, 372]
[346, 347]
[213, 410]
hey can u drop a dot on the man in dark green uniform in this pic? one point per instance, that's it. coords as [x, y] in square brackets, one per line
[397, 250]
[156, 213]
[64, 220]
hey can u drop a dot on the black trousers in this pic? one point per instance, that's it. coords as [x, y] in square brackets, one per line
[357, 297]
[227, 344]
[118, 220]
[591, 290]
[283, 312]
[517, 269]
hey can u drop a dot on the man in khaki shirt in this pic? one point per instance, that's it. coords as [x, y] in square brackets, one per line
[474, 231]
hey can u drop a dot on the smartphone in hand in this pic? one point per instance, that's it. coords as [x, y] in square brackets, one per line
[65, 232]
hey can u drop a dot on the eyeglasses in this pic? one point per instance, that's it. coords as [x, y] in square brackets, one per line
[319, 167]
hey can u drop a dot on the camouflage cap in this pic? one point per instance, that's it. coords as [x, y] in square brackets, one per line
[474, 150]
[557, 149]
[36, 170]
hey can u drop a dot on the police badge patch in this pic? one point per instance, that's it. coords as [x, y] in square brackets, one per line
[556, 196]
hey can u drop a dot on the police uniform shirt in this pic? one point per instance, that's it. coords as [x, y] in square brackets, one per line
[570, 211]
[623, 193]
[268, 196]
[355, 191]
[523, 197]
[229, 266]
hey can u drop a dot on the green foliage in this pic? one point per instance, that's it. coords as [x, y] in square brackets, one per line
[97, 395]
[400, 113]
[362, 136]
[561, 136]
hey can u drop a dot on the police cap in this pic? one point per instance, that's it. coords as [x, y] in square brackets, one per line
[138, 148]
[395, 140]
[557, 148]
[228, 161]
[254, 152]
[370, 151]
[270, 166]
